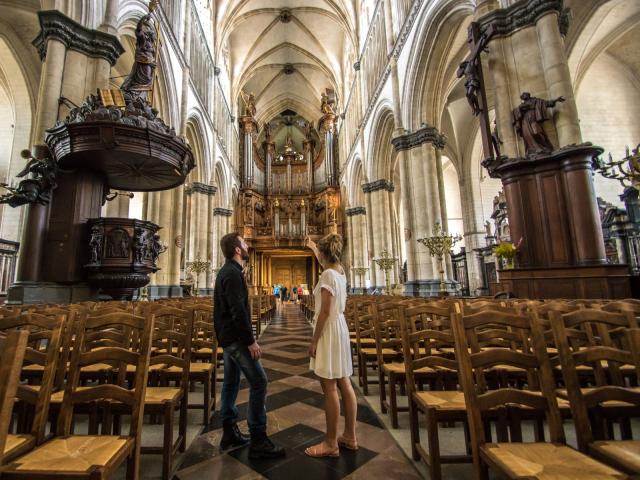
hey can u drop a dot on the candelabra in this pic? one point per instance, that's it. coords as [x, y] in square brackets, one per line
[197, 267]
[439, 244]
[626, 171]
[361, 272]
[386, 263]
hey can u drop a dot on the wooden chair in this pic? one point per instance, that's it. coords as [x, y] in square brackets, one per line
[170, 359]
[43, 351]
[94, 457]
[12, 349]
[204, 363]
[389, 338]
[590, 406]
[421, 343]
[510, 457]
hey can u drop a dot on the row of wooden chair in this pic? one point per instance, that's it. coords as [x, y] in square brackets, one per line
[183, 349]
[501, 377]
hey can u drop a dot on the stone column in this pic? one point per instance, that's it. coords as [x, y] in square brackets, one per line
[379, 206]
[422, 204]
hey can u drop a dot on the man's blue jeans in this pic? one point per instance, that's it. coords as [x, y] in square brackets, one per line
[237, 358]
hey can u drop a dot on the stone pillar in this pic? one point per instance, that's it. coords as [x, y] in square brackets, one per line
[379, 206]
[423, 192]
[359, 244]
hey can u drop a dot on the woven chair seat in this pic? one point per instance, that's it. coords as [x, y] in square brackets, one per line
[545, 460]
[74, 455]
[625, 453]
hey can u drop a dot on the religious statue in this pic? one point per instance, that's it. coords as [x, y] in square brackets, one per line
[38, 187]
[487, 227]
[267, 132]
[307, 130]
[288, 144]
[249, 104]
[496, 140]
[328, 102]
[118, 244]
[472, 84]
[140, 245]
[156, 248]
[95, 244]
[140, 80]
[528, 118]
[248, 209]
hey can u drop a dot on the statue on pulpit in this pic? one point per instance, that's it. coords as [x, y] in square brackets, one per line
[140, 80]
[528, 118]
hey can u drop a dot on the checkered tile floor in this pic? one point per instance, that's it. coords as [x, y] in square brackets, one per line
[295, 421]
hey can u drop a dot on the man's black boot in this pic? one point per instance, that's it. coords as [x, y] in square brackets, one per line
[232, 437]
[262, 447]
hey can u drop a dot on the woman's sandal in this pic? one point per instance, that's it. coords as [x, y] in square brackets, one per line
[348, 444]
[320, 450]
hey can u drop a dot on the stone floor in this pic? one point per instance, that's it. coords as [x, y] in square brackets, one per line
[295, 420]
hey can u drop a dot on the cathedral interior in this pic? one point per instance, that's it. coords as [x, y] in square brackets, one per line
[471, 153]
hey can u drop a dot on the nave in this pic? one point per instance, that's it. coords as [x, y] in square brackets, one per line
[295, 420]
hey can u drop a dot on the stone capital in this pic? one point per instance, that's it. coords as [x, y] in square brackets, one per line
[222, 212]
[352, 212]
[93, 43]
[426, 134]
[377, 186]
[522, 14]
[203, 188]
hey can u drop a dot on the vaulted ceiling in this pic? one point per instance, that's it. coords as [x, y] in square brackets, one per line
[287, 52]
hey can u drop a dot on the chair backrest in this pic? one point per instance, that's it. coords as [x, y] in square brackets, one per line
[134, 349]
[529, 354]
[12, 349]
[204, 335]
[422, 340]
[614, 341]
[43, 349]
[386, 326]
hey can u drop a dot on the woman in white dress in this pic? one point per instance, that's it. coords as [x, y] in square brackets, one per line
[330, 349]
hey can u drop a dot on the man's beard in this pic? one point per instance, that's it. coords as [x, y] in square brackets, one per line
[244, 254]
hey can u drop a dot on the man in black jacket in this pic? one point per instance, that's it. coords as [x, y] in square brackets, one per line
[232, 319]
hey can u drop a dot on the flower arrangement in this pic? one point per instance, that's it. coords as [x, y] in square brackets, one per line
[506, 250]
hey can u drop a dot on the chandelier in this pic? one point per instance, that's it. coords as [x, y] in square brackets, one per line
[626, 171]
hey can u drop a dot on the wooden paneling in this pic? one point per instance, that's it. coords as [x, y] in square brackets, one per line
[289, 271]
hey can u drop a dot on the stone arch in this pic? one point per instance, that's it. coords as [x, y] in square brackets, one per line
[380, 151]
[605, 67]
[442, 30]
[196, 137]
[19, 78]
